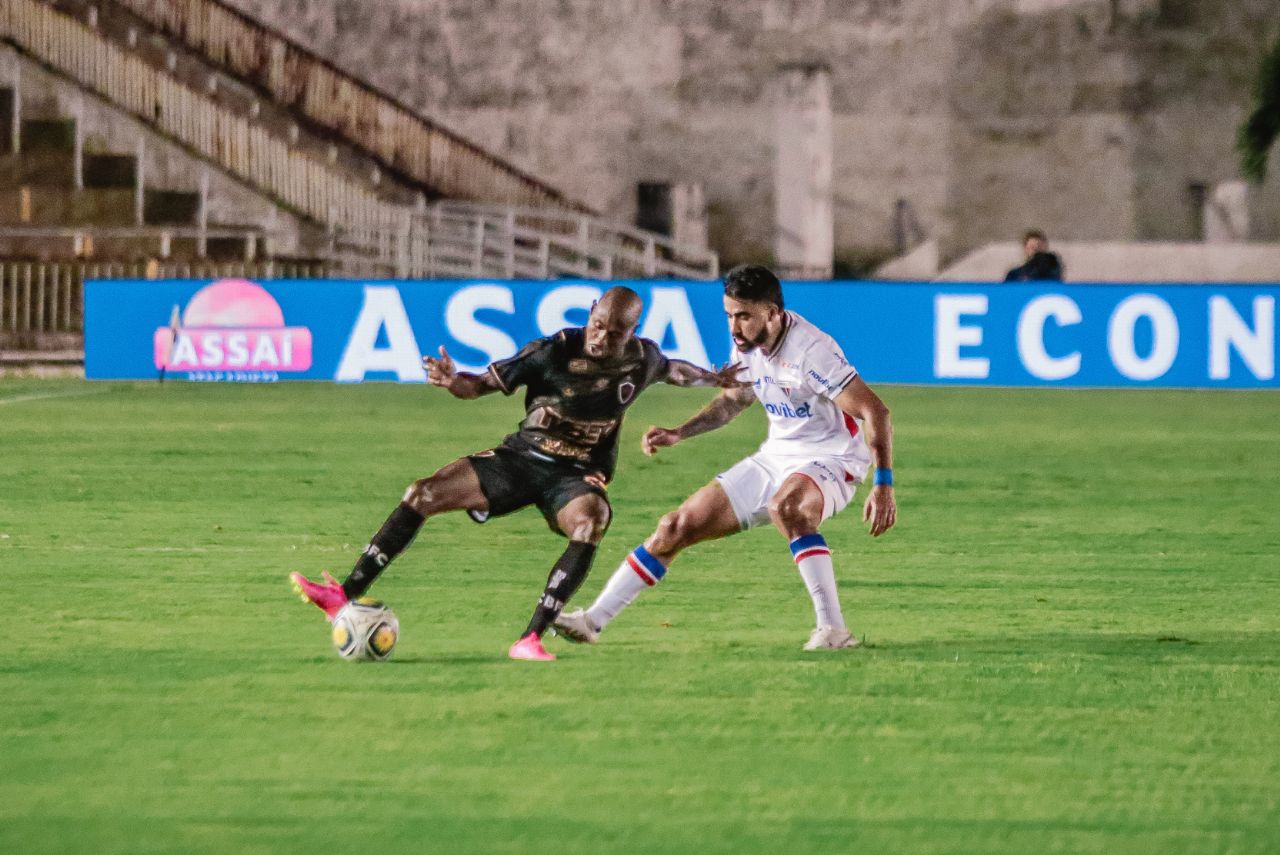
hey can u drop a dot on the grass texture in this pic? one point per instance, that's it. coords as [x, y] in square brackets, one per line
[1073, 637]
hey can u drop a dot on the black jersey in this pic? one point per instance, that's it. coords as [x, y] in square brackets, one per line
[573, 403]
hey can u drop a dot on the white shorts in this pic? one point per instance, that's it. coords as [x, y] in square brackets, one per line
[750, 484]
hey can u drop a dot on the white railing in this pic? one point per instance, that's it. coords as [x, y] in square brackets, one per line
[230, 140]
[157, 241]
[453, 239]
[370, 236]
[47, 297]
[634, 252]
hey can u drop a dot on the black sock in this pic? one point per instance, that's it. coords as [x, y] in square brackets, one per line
[393, 538]
[565, 579]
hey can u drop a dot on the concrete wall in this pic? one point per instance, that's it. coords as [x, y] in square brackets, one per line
[1155, 261]
[1089, 118]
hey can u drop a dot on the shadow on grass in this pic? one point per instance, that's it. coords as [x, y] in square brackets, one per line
[469, 659]
[1216, 646]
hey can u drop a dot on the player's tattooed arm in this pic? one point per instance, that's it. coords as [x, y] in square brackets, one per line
[723, 409]
[857, 399]
[443, 373]
[681, 373]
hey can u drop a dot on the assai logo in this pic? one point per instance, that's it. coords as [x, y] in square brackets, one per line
[232, 329]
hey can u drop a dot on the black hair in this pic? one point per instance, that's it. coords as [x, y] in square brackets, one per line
[753, 282]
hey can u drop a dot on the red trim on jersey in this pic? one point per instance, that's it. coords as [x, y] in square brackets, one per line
[641, 572]
[809, 553]
[850, 424]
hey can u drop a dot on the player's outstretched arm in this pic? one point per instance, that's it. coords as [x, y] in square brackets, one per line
[443, 373]
[723, 409]
[857, 399]
[681, 373]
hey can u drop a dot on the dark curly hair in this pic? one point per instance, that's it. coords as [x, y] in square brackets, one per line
[753, 282]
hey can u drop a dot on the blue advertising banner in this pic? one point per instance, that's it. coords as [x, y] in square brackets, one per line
[1040, 334]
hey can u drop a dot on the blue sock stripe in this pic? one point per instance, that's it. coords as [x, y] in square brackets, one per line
[808, 541]
[649, 563]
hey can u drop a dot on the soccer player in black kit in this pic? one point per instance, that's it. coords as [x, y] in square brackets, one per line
[578, 384]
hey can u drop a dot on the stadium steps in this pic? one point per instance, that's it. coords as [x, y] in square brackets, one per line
[321, 144]
[403, 143]
[60, 202]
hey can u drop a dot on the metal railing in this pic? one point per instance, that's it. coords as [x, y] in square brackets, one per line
[370, 236]
[458, 239]
[402, 139]
[44, 297]
[156, 241]
[633, 251]
[193, 118]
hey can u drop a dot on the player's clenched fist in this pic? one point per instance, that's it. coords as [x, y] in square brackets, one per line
[440, 372]
[656, 437]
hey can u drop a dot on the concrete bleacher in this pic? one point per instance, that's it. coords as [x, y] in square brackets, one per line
[60, 202]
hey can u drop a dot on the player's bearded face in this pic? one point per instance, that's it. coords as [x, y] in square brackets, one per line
[751, 324]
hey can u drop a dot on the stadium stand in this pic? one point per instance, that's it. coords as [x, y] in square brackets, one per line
[187, 133]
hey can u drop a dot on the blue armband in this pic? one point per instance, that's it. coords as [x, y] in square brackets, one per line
[883, 478]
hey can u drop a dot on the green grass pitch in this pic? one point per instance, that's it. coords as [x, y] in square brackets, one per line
[1074, 637]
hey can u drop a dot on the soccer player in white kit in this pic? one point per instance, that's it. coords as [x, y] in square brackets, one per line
[826, 427]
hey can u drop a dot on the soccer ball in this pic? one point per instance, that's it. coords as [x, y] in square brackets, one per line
[365, 629]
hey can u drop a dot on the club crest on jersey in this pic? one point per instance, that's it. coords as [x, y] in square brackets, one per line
[626, 391]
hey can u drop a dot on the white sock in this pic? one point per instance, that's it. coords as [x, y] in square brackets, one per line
[813, 558]
[638, 571]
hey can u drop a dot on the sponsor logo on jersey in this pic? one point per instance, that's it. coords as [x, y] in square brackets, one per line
[786, 411]
[822, 381]
[828, 473]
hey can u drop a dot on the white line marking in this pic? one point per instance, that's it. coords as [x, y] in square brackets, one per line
[18, 399]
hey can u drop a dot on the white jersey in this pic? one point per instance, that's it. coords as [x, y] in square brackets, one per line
[796, 384]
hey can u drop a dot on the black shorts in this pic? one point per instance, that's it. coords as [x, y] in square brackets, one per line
[511, 479]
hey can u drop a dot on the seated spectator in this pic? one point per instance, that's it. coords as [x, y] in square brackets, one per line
[1040, 264]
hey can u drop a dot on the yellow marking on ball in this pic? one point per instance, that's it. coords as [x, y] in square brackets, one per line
[384, 639]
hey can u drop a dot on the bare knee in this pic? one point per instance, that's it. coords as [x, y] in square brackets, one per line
[587, 526]
[585, 519]
[795, 512]
[674, 533]
[423, 496]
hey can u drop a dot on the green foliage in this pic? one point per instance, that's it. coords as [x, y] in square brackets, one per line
[1261, 129]
[1073, 637]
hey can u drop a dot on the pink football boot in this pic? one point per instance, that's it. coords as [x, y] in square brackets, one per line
[329, 596]
[530, 648]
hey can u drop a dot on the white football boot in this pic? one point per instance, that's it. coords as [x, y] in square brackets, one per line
[831, 638]
[576, 627]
